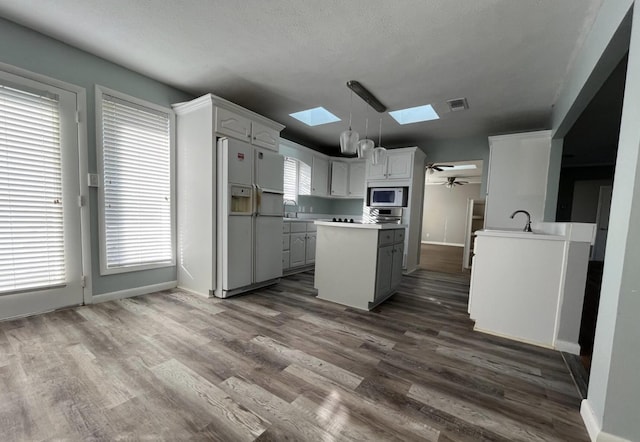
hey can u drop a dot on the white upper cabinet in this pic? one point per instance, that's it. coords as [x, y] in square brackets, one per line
[339, 178]
[399, 164]
[356, 179]
[320, 176]
[396, 165]
[264, 136]
[244, 127]
[518, 168]
[232, 125]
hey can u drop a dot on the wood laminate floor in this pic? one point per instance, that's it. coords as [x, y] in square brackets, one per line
[279, 364]
[441, 258]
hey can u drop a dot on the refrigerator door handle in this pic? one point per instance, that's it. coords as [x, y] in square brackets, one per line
[258, 199]
[276, 191]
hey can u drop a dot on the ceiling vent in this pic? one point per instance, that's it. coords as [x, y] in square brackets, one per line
[458, 104]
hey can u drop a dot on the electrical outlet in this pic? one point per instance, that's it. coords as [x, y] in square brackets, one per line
[93, 180]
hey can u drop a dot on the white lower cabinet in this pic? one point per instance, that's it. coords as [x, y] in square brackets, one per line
[298, 245]
[310, 248]
[297, 249]
[389, 265]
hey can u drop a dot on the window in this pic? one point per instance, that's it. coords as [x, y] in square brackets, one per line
[136, 146]
[297, 179]
[32, 251]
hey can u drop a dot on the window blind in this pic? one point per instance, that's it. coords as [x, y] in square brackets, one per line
[31, 216]
[304, 181]
[290, 179]
[136, 153]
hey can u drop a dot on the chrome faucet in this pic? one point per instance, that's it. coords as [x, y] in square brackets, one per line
[527, 227]
[286, 203]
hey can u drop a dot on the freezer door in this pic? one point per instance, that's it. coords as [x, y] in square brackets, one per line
[268, 257]
[269, 170]
[238, 161]
[269, 204]
[238, 253]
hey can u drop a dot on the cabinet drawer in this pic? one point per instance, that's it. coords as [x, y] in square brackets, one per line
[398, 235]
[385, 237]
[285, 242]
[286, 227]
[298, 227]
[311, 227]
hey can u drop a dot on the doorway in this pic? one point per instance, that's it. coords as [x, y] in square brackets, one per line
[40, 215]
[584, 194]
[449, 218]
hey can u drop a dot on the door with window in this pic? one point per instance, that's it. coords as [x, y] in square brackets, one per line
[40, 237]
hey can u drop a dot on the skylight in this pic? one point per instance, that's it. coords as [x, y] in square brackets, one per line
[415, 114]
[315, 116]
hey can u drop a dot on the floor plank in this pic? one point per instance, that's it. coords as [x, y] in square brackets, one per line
[279, 364]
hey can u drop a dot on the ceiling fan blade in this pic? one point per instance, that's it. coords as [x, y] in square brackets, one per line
[436, 168]
[445, 165]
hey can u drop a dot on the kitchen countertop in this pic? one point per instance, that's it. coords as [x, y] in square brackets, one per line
[360, 225]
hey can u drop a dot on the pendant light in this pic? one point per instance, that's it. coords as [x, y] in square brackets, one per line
[365, 146]
[379, 152]
[349, 138]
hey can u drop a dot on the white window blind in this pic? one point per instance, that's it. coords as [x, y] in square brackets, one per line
[31, 216]
[290, 179]
[304, 179]
[136, 151]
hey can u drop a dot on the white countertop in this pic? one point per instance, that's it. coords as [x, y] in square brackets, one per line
[546, 231]
[360, 225]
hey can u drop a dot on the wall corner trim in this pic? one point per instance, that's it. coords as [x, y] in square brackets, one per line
[593, 427]
[136, 291]
[568, 347]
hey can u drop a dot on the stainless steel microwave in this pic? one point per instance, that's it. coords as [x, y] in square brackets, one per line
[387, 196]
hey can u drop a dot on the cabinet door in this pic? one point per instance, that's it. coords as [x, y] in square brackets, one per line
[232, 125]
[383, 271]
[285, 260]
[517, 179]
[297, 247]
[356, 179]
[377, 171]
[339, 174]
[396, 265]
[320, 176]
[399, 164]
[310, 251]
[264, 136]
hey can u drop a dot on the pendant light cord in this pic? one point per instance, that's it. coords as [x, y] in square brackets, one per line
[380, 134]
[350, 107]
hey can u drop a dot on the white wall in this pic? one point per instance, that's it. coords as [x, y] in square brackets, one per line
[445, 212]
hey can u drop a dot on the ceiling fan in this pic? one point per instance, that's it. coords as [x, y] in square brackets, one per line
[452, 182]
[433, 167]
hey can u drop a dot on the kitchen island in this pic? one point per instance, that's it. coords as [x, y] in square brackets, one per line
[358, 264]
[529, 286]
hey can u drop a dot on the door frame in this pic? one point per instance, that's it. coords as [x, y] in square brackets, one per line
[83, 168]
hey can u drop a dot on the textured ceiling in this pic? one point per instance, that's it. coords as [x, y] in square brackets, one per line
[508, 57]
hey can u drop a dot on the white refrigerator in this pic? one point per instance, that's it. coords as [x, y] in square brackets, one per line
[250, 192]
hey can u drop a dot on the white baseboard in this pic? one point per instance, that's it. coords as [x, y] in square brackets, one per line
[593, 427]
[568, 347]
[437, 243]
[136, 291]
[193, 292]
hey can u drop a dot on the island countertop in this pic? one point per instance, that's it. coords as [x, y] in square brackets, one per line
[357, 225]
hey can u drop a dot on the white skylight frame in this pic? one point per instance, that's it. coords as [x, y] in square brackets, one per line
[416, 114]
[315, 117]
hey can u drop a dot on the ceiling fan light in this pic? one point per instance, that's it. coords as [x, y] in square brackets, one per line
[365, 148]
[349, 142]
